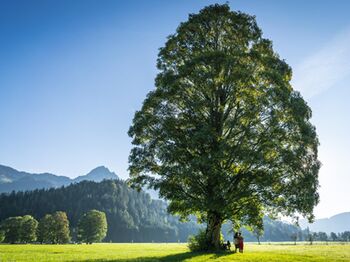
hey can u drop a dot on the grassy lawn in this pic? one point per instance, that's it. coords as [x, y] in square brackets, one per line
[171, 252]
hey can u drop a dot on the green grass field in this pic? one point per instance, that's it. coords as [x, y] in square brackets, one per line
[172, 252]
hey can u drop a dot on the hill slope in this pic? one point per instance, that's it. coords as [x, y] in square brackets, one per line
[131, 215]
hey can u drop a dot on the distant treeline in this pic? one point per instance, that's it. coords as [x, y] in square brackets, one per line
[322, 236]
[275, 231]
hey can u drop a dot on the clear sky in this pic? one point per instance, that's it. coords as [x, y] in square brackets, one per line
[72, 74]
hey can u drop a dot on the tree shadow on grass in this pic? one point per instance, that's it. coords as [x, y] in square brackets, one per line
[173, 257]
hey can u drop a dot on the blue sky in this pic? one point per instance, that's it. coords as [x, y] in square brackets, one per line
[72, 74]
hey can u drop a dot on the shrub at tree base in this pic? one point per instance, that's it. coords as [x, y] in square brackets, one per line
[200, 242]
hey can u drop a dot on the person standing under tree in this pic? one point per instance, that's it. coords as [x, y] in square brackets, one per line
[240, 243]
[236, 241]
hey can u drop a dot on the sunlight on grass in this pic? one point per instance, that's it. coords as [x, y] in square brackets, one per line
[171, 252]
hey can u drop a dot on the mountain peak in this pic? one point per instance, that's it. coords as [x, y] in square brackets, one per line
[97, 174]
[100, 169]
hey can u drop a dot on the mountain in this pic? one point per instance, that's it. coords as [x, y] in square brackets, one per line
[338, 223]
[12, 179]
[98, 174]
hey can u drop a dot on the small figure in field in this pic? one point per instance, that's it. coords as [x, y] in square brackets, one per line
[240, 243]
[236, 241]
[228, 245]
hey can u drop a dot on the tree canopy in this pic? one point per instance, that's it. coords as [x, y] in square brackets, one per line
[19, 229]
[224, 136]
[28, 229]
[45, 233]
[12, 229]
[92, 227]
[54, 228]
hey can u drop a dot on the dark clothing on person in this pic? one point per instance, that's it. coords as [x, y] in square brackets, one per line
[236, 241]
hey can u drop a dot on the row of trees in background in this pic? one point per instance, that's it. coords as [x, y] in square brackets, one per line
[323, 236]
[53, 228]
[279, 231]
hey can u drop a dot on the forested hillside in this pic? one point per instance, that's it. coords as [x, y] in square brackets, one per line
[131, 216]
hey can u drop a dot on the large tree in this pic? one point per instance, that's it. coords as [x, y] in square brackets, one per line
[224, 136]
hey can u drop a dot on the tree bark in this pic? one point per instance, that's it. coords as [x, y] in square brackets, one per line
[213, 231]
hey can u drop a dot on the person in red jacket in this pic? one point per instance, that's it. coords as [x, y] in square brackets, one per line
[240, 242]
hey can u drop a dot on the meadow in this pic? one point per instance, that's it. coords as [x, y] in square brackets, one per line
[173, 252]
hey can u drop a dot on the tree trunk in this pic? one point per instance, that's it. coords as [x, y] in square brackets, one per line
[213, 231]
